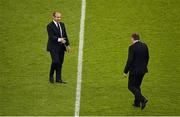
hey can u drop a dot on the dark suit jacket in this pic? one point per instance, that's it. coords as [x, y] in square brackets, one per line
[53, 35]
[138, 57]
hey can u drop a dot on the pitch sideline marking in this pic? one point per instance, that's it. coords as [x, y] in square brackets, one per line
[80, 59]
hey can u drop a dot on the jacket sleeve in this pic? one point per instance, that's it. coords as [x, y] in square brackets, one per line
[147, 55]
[66, 37]
[129, 60]
[51, 34]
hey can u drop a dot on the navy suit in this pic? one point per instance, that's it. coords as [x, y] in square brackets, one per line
[138, 57]
[56, 48]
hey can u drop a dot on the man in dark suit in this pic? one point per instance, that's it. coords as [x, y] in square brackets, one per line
[138, 57]
[57, 44]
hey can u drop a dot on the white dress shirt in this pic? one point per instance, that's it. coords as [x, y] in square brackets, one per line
[56, 23]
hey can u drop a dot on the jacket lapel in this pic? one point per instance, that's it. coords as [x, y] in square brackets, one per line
[62, 28]
[55, 28]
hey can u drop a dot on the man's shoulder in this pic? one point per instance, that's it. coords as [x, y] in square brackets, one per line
[62, 22]
[144, 44]
[140, 43]
[131, 47]
[135, 45]
[50, 24]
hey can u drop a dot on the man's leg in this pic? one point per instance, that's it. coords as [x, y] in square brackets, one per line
[59, 68]
[58, 73]
[139, 79]
[143, 100]
[51, 79]
[54, 65]
[132, 88]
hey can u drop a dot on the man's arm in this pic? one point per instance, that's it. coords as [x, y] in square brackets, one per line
[129, 60]
[67, 44]
[65, 36]
[147, 55]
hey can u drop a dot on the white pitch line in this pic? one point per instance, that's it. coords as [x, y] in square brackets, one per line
[80, 58]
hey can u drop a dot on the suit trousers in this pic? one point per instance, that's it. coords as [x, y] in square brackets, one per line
[56, 65]
[134, 85]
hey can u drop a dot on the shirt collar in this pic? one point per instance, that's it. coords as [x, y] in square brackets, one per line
[135, 41]
[55, 23]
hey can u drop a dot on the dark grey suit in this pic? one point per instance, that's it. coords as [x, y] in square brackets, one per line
[56, 48]
[138, 57]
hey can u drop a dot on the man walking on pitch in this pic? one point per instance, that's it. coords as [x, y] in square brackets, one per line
[138, 57]
[57, 44]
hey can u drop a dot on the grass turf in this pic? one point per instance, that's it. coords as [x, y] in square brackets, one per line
[25, 64]
[109, 25]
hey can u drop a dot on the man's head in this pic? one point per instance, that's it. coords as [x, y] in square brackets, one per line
[135, 37]
[56, 16]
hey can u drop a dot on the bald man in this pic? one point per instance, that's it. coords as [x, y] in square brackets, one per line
[57, 44]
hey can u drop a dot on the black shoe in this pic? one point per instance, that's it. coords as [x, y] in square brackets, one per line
[61, 81]
[144, 104]
[136, 105]
[51, 80]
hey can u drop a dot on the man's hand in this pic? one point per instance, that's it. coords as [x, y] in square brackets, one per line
[61, 40]
[68, 48]
[125, 75]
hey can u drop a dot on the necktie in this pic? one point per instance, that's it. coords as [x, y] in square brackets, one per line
[59, 28]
